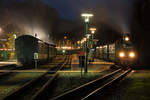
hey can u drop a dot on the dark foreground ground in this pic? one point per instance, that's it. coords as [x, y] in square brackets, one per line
[136, 86]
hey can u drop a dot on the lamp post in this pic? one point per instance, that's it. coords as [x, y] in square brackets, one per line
[93, 32]
[86, 18]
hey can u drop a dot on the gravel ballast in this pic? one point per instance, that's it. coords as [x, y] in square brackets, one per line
[14, 82]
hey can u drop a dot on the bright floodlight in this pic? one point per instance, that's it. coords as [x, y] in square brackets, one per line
[86, 16]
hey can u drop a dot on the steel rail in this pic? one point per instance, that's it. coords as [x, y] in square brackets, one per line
[42, 93]
[77, 91]
[25, 87]
[109, 83]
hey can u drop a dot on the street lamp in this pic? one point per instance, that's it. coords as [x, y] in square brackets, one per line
[93, 32]
[86, 19]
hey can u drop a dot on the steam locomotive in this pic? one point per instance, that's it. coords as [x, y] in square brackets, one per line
[121, 52]
[27, 47]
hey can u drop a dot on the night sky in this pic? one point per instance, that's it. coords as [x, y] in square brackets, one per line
[68, 9]
[71, 9]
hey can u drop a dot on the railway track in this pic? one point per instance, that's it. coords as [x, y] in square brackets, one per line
[8, 70]
[37, 88]
[91, 90]
[8, 67]
[5, 70]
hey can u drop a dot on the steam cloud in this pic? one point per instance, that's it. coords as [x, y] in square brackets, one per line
[115, 13]
[29, 18]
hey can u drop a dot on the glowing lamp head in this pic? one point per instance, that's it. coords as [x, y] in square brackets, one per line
[131, 54]
[121, 54]
[86, 16]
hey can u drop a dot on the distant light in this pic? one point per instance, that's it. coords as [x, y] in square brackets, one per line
[15, 36]
[0, 29]
[105, 46]
[126, 38]
[65, 37]
[92, 30]
[78, 42]
[66, 48]
[58, 47]
[84, 39]
[64, 51]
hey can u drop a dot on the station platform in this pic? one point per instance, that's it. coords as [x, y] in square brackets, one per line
[3, 63]
[96, 66]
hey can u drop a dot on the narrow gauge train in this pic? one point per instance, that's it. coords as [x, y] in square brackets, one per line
[120, 52]
[26, 46]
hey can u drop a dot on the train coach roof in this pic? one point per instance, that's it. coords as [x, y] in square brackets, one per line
[30, 36]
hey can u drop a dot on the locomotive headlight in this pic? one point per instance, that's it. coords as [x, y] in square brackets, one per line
[121, 54]
[131, 54]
